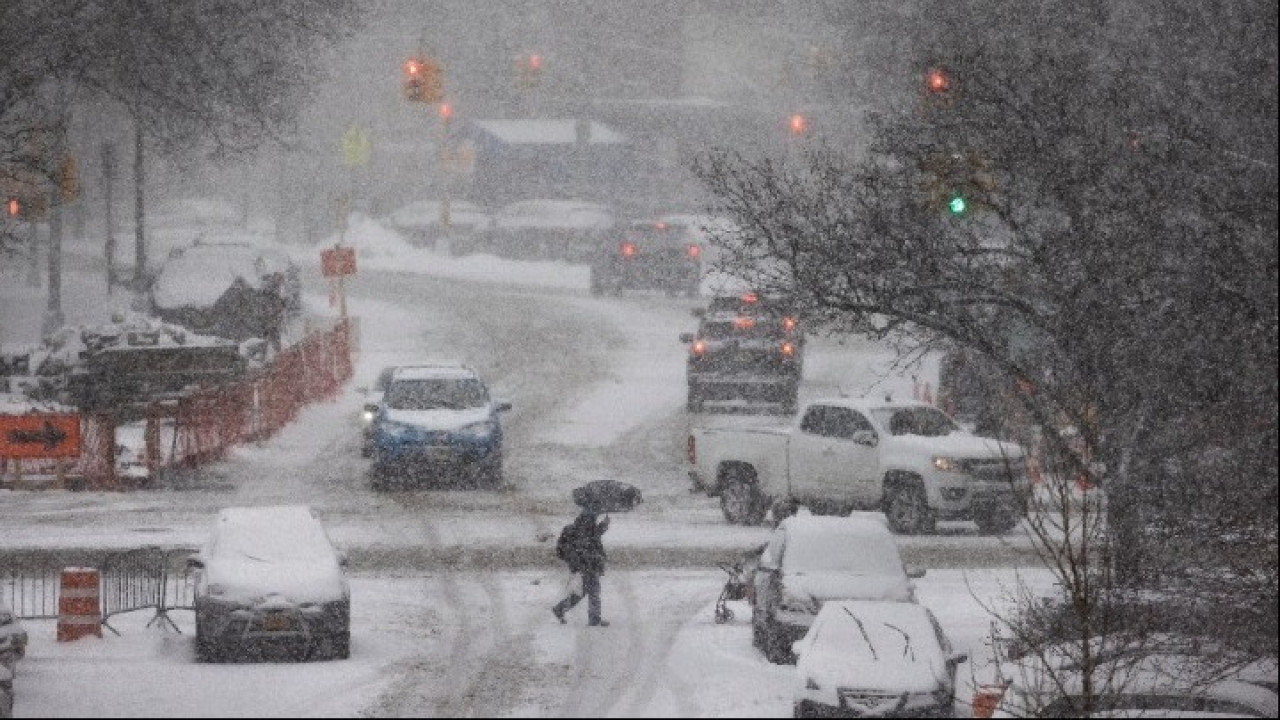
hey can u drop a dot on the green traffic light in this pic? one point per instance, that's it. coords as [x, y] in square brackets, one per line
[957, 206]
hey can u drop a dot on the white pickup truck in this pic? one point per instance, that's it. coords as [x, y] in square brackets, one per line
[906, 458]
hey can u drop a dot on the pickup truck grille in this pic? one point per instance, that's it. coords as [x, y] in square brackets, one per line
[995, 470]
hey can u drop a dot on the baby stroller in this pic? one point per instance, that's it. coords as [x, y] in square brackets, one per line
[735, 588]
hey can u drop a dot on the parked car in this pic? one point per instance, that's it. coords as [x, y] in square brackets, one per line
[1135, 684]
[437, 420]
[811, 559]
[234, 290]
[874, 658]
[648, 256]
[372, 403]
[420, 222]
[270, 585]
[550, 229]
[13, 638]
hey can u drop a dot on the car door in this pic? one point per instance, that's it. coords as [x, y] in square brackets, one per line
[833, 457]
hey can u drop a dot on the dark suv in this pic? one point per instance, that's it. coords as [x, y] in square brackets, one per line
[746, 348]
[649, 256]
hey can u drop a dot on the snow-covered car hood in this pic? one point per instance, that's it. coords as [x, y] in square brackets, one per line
[957, 445]
[439, 419]
[835, 585]
[247, 579]
[893, 669]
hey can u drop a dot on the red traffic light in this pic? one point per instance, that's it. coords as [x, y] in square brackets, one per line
[937, 80]
[798, 124]
[14, 207]
[535, 62]
[446, 111]
[412, 67]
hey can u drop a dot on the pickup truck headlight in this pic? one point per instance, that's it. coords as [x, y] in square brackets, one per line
[948, 464]
[367, 417]
[478, 431]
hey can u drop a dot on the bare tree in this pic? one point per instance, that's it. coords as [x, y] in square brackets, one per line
[1114, 259]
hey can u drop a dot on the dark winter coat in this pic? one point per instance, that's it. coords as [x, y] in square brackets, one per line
[587, 551]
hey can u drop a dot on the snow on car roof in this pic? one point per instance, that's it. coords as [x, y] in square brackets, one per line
[433, 371]
[255, 551]
[278, 531]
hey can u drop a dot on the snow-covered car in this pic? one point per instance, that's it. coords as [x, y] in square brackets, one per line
[420, 222]
[812, 559]
[868, 658]
[233, 290]
[372, 403]
[437, 419]
[1135, 684]
[548, 229]
[269, 584]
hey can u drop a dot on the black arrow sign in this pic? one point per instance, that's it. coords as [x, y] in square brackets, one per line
[50, 436]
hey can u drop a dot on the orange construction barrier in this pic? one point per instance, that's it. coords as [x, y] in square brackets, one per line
[79, 610]
[986, 699]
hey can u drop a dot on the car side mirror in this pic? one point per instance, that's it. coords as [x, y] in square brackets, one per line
[686, 337]
[502, 405]
[371, 407]
[195, 563]
[342, 558]
[865, 437]
[958, 658]
[915, 573]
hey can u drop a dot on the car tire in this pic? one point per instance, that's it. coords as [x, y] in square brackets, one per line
[996, 520]
[489, 473]
[741, 502]
[907, 509]
[775, 649]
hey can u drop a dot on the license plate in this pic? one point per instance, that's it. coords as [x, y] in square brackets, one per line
[277, 622]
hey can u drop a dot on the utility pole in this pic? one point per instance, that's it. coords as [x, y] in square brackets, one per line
[55, 172]
[108, 182]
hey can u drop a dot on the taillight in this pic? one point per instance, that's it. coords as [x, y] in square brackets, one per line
[628, 250]
[788, 350]
[695, 251]
[749, 298]
[691, 450]
[744, 322]
[789, 324]
[699, 347]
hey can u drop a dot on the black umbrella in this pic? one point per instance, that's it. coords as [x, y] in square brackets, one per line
[606, 496]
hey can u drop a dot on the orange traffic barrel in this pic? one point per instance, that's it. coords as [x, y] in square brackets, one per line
[79, 611]
[986, 699]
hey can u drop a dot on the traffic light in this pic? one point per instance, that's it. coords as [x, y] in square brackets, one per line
[798, 124]
[13, 207]
[423, 80]
[528, 71]
[939, 87]
[958, 183]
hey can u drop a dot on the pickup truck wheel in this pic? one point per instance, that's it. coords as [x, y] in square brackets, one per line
[742, 504]
[996, 520]
[907, 509]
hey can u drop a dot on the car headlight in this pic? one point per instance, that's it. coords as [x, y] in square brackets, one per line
[948, 464]
[478, 431]
[367, 417]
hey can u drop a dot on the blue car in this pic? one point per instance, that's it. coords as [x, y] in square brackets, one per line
[437, 423]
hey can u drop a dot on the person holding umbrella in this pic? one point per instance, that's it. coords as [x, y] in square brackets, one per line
[580, 544]
[583, 551]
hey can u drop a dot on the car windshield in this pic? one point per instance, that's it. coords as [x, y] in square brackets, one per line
[436, 394]
[849, 552]
[915, 421]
